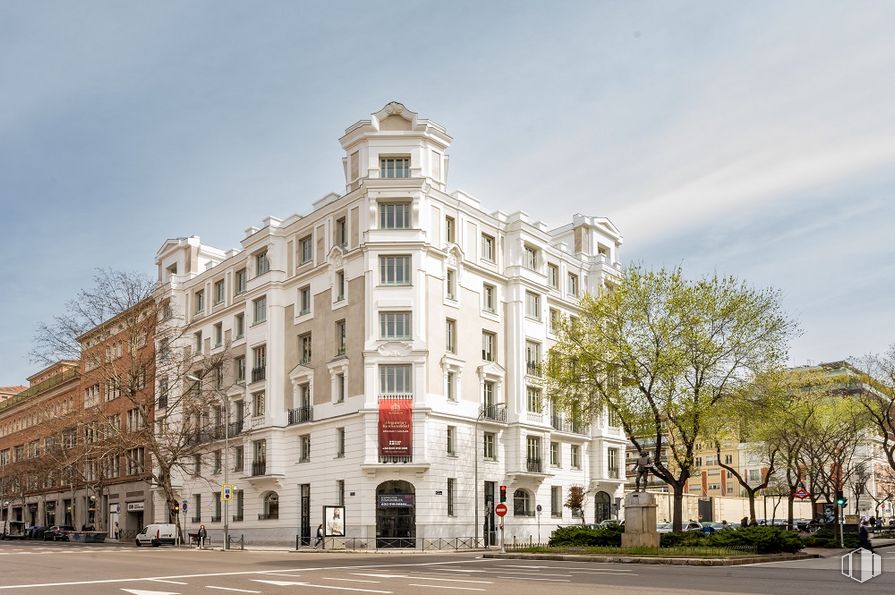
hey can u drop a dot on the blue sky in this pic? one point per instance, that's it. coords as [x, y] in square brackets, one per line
[754, 139]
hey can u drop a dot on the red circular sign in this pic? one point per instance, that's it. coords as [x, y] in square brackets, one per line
[801, 493]
[500, 509]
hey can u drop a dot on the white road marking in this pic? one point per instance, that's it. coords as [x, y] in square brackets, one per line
[537, 572]
[449, 580]
[110, 581]
[145, 592]
[459, 569]
[300, 584]
[231, 589]
[349, 580]
[529, 578]
[161, 580]
[446, 587]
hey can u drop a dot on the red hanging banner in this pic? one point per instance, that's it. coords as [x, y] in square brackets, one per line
[395, 427]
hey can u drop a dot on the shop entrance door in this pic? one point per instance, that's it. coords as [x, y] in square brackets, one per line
[395, 515]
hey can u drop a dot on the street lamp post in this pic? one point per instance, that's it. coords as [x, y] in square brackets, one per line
[226, 406]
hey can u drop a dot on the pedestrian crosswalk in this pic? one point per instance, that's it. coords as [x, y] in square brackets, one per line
[37, 551]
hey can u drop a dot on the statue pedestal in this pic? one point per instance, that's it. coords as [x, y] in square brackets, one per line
[640, 521]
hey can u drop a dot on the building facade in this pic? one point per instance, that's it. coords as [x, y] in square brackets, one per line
[385, 354]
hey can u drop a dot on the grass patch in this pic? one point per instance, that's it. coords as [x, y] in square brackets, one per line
[665, 552]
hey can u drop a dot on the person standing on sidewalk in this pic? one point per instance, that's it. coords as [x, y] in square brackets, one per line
[319, 536]
[200, 537]
[864, 537]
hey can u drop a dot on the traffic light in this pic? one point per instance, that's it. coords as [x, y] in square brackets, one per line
[175, 508]
[841, 500]
[503, 493]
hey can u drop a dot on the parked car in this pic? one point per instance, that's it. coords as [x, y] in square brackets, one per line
[693, 526]
[37, 531]
[157, 534]
[664, 527]
[611, 523]
[57, 533]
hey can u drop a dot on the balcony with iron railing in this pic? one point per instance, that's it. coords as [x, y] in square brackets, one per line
[301, 415]
[572, 426]
[399, 459]
[496, 413]
[259, 468]
[534, 368]
[272, 516]
[533, 465]
[259, 374]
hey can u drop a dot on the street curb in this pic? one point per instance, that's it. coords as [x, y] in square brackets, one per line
[656, 559]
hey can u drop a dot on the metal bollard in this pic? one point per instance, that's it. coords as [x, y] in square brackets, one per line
[297, 539]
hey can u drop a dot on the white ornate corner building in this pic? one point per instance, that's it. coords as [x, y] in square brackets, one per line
[387, 353]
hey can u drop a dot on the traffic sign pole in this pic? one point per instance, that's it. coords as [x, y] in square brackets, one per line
[501, 511]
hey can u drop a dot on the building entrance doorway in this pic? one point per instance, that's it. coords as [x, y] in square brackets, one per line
[602, 507]
[305, 514]
[395, 514]
[490, 527]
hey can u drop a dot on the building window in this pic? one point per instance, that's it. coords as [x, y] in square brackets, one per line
[341, 233]
[238, 458]
[576, 456]
[522, 503]
[533, 450]
[489, 346]
[451, 381]
[304, 299]
[200, 301]
[534, 399]
[240, 281]
[218, 334]
[450, 229]
[271, 507]
[554, 320]
[451, 489]
[258, 404]
[533, 358]
[488, 396]
[240, 364]
[217, 462]
[394, 167]
[553, 276]
[197, 341]
[573, 284]
[239, 325]
[394, 325]
[306, 250]
[219, 292]
[341, 339]
[530, 258]
[450, 336]
[488, 446]
[613, 419]
[754, 476]
[488, 297]
[340, 286]
[340, 491]
[395, 379]
[532, 305]
[304, 448]
[452, 441]
[394, 270]
[340, 443]
[197, 508]
[259, 308]
[555, 455]
[612, 458]
[394, 215]
[262, 263]
[728, 459]
[135, 461]
[556, 502]
[304, 348]
[451, 282]
[259, 363]
[340, 387]
[488, 247]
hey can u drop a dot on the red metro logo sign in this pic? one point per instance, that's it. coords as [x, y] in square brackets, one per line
[396, 427]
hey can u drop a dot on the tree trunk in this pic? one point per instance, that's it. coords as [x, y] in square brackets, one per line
[677, 523]
[751, 504]
[789, 511]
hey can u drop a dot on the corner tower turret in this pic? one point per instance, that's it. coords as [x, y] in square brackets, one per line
[395, 143]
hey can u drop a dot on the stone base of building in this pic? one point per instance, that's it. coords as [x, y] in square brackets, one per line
[640, 521]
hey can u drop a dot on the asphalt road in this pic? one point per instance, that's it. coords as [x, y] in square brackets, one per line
[61, 568]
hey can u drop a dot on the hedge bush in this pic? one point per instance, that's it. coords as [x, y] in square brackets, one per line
[827, 537]
[765, 540]
[682, 539]
[586, 537]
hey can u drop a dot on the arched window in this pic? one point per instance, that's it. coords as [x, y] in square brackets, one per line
[602, 507]
[522, 503]
[271, 507]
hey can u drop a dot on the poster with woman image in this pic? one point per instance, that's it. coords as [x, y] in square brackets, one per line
[334, 521]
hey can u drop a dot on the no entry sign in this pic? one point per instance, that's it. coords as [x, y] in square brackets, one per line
[500, 510]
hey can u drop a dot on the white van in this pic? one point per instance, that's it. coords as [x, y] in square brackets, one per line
[156, 535]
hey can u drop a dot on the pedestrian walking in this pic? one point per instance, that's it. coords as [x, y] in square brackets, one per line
[200, 536]
[864, 537]
[319, 536]
[744, 522]
[117, 531]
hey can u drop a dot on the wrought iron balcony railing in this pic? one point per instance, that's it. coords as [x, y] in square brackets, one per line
[301, 415]
[259, 374]
[493, 413]
[259, 468]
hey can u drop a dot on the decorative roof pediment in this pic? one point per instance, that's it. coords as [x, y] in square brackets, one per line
[300, 372]
[491, 369]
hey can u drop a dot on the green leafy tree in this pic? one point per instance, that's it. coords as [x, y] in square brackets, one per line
[663, 353]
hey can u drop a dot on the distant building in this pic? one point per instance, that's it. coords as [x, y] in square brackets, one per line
[10, 391]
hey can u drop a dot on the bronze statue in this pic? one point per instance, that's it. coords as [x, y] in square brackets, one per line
[644, 464]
